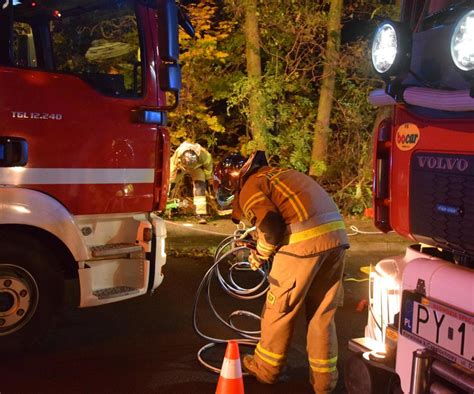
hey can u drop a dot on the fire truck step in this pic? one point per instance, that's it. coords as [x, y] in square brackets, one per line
[115, 249]
[113, 292]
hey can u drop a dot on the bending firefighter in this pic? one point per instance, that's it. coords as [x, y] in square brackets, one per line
[298, 225]
[193, 159]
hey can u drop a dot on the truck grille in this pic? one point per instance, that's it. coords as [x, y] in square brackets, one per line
[442, 200]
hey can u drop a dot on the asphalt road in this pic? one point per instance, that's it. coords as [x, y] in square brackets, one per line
[148, 345]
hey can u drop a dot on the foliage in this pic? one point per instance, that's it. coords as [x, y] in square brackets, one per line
[289, 35]
[349, 174]
[215, 100]
[203, 64]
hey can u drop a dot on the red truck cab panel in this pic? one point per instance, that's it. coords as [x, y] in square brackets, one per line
[431, 173]
[82, 138]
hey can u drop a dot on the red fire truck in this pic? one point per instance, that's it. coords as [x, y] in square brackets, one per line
[85, 86]
[420, 332]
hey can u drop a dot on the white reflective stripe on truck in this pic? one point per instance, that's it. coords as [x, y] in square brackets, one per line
[75, 176]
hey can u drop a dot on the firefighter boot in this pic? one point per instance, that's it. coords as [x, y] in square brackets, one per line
[249, 366]
[323, 383]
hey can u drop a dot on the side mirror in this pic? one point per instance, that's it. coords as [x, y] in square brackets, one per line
[170, 17]
[170, 77]
[13, 152]
[168, 48]
[170, 81]
[185, 22]
[168, 43]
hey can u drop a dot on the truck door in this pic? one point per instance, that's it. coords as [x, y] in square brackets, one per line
[75, 76]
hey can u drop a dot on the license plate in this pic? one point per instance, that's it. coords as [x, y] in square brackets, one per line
[444, 330]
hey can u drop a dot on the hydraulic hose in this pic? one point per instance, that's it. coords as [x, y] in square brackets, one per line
[228, 248]
[231, 247]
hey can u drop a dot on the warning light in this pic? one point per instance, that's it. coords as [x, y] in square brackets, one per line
[33, 4]
[57, 14]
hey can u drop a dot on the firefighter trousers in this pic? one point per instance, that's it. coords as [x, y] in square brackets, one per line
[314, 284]
[199, 200]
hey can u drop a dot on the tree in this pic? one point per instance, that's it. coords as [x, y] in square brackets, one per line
[322, 129]
[256, 112]
[289, 47]
[291, 43]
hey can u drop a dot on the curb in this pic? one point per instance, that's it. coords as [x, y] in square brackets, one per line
[189, 237]
[391, 247]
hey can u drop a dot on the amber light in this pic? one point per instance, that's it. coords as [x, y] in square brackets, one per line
[147, 234]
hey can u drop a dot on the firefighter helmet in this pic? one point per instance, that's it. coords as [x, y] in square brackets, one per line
[226, 178]
[254, 162]
[189, 159]
[232, 172]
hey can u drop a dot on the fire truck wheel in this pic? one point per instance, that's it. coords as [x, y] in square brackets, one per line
[31, 287]
[362, 378]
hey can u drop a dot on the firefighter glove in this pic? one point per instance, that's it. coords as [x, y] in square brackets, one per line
[255, 260]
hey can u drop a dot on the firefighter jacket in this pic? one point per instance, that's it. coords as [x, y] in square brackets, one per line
[291, 211]
[204, 162]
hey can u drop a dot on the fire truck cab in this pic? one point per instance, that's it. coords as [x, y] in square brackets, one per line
[85, 86]
[419, 336]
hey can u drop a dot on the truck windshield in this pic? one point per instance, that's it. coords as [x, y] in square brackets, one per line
[95, 40]
[439, 12]
[434, 6]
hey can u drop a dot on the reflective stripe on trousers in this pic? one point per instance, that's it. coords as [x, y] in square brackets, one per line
[273, 359]
[313, 283]
[200, 204]
[323, 365]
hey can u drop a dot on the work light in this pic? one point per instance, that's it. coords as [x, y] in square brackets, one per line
[390, 49]
[462, 43]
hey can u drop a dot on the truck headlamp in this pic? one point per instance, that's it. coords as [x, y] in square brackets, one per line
[462, 43]
[390, 50]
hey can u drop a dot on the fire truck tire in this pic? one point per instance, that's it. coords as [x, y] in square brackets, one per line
[362, 378]
[31, 290]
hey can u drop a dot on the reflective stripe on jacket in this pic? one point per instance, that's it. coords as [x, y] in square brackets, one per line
[291, 211]
[204, 162]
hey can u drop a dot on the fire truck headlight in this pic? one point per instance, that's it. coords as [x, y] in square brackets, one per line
[390, 49]
[462, 43]
[384, 48]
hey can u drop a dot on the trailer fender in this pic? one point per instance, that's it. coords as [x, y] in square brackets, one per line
[32, 208]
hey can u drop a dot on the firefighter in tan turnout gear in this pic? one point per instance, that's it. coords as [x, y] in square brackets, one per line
[299, 226]
[196, 161]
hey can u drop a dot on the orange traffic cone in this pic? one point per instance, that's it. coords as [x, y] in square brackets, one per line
[230, 380]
